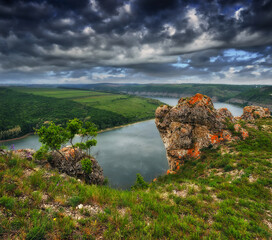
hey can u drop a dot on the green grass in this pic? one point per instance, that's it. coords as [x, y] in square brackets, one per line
[126, 105]
[59, 93]
[131, 107]
[222, 195]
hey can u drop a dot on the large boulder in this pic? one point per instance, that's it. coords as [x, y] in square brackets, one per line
[68, 161]
[192, 125]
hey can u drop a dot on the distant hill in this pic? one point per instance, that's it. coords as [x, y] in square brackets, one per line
[219, 92]
[22, 109]
[236, 94]
[256, 96]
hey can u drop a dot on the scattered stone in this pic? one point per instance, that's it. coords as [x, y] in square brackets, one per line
[80, 206]
[250, 125]
[24, 153]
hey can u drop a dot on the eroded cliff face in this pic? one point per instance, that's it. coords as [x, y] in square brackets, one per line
[194, 124]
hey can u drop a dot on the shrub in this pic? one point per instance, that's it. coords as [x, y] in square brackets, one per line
[42, 153]
[53, 136]
[140, 183]
[87, 165]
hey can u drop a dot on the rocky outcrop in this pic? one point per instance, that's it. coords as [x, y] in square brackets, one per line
[192, 125]
[250, 113]
[65, 162]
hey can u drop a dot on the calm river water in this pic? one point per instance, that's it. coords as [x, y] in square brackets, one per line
[126, 151]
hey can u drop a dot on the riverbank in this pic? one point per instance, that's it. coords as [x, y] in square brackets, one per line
[101, 131]
[18, 138]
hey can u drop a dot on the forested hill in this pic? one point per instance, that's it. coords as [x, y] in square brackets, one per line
[22, 109]
[256, 96]
[237, 94]
[219, 91]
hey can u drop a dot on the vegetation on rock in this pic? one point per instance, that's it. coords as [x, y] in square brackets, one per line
[74, 160]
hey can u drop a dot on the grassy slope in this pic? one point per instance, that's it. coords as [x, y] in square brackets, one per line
[226, 194]
[131, 107]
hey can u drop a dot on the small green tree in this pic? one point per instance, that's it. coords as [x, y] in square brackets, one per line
[53, 137]
[140, 183]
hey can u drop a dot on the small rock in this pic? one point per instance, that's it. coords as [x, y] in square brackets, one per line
[80, 206]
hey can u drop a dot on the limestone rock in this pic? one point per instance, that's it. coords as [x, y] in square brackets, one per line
[24, 153]
[65, 163]
[250, 113]
[225, 115]
[192, 125]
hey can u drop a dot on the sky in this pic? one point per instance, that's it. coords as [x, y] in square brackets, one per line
[135, 41]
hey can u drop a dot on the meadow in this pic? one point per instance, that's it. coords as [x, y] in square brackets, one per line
[225, 194]
[131, 107]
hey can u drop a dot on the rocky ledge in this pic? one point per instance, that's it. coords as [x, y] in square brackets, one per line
[65, 162]
[195, 124]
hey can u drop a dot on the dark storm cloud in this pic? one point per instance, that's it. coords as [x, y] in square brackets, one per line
[122, 40]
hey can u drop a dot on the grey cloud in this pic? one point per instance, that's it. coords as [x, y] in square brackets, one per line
[145, 37]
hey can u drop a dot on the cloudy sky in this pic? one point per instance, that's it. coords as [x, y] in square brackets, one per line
[136, 41]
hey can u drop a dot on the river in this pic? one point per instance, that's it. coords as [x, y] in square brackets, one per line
[126, 151]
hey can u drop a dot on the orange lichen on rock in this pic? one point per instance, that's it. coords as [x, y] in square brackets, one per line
[199, 98]
[266, 110]
[169, 171]
[214, 139]
[244, 134]
[193, 152]
[237, 127]
[194, 124]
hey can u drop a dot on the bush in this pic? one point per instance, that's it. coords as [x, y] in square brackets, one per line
[87, 165]
[53, 137]
[140, 183]
[42, 153]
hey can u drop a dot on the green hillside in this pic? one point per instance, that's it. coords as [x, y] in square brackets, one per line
[259, 95]
[22, 109]
[226, 194]
[222, 92]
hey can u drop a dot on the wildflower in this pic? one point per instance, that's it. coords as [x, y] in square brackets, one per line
[12, 147]
[54, 219]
